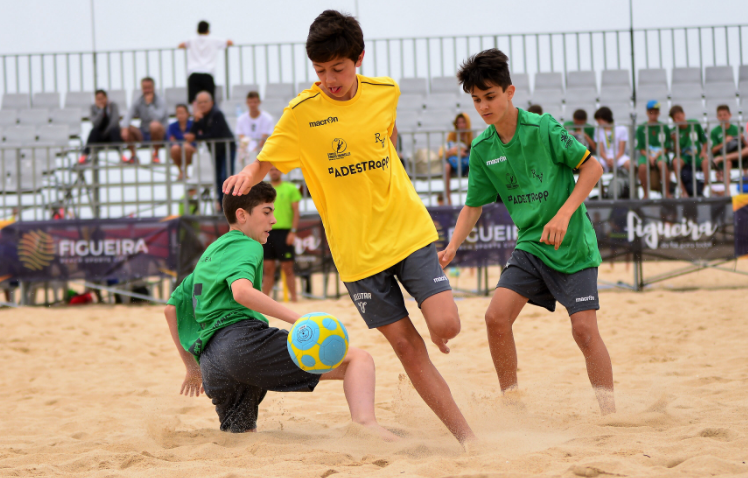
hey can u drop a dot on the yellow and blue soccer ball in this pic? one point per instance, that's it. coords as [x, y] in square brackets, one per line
[317, 342]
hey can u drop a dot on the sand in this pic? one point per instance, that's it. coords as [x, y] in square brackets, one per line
[93, 391]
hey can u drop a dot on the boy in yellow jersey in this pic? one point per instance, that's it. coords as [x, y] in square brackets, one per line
[339, 133]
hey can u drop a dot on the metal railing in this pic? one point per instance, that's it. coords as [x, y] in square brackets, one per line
[425, 57]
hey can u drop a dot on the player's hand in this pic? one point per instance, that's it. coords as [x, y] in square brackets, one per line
[446, 256]
[238, 184]
[193, 383]
[290, 238]
[555, 230]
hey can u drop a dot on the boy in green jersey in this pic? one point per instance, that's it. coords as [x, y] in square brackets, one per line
[581, 129]
[690, 154]
[653, 143]
[728, 144]
[216, 316]
[529, 161]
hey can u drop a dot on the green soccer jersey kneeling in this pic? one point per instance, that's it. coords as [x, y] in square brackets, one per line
[230, 352]
[529, 160]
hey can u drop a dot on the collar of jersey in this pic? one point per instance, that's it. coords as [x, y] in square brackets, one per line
[336, 102]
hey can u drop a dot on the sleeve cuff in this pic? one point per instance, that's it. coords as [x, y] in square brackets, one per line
[584, 158]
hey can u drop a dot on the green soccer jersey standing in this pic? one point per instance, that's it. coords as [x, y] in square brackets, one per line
[529, 161]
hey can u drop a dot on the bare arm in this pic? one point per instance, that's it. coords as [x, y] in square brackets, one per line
[182, 45]
[193, 382]
[229, 43]
[589, 174]
[621, 149]
[249, 176]
[262, 141]
[294, 223]
[465, 223]
[252, 298]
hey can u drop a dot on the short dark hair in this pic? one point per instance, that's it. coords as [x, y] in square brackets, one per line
[148, 78]
[253, 94]
[537, 109]
[203, 27]
[182, 105]
[260, 193]
[484, 69]
[100, 92]
[580, 115]
[334, 35]
[723, 108]
[605, 114]
[676, 109]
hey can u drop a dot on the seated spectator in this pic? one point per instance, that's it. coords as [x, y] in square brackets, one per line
[690, 152]
[458, 150]
[151, 109]
[653, 143]
[583, 131]
[611, 141]
[210, 125]
[253, 128]
[176, 136]
[726, 145]
[202, 54]
[537, 109]
[105, 119]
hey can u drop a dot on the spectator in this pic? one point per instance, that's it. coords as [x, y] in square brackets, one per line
[105, 120]
[583, 131]
[176, 133]
[458, 150]
[691, 144]
[210, 125]
[537, 109]
[253, 127]
[151, 109]
[202, 53]
[729, 145]
[280, 243]
[653, 143]
[611, 140]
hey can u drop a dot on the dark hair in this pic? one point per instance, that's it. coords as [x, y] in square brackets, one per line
[260, 193]
[253, 94]
[182, 105]
[148, 78]
[676, 109]
[537, 109]
[334, 35]
[580, 115]
[483, 70]
[203, 27]
[604, 114]
[102, 92]
[723, 108]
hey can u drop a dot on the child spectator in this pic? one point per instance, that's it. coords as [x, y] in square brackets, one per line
[583, 131]
[692, 142]
[202, 53]
[653, 143]
[105, 119]
[726, 143]
[612, 141]
[253, 127]
[537, 109]
[458, 149]
[176, 136]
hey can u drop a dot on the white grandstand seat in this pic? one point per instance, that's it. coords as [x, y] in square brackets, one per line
[686, 85]
[621, 112]
[218, 94]
[116, 96]
[8, 118]
[445, 84]
[437, 120]
[615, 86]
[20, 135]
[53, 135]
[304, 85]
[652, 85]
[465, 102]
[713, 103]
[275, 107]
[743, 81]
[228, 107]
[36, 117]
[31, 174]
[283, 91]
[588, 107]
[411, 102]
[2, 135]
[441, 101]
[522, 95]
[232, 122]
[46, 101]
[239, 92]
[407, 120]
[555, 110]
[413, 86]
[203, 171]
[16, 101]
[174, 96]
[581, 86]
[549, 93]
[719, 88]
[70, 117]
[694, 109]
[82, 100]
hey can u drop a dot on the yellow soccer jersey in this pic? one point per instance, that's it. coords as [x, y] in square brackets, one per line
[372, 215]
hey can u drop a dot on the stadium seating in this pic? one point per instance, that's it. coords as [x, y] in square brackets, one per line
[275, 107]
[719, 88]
[411, 102]
[229, 107]
[652, 85]
[119, 97]
[16, 101]
[407, 120]
[581, 93]
[8, 118]
[174, 96]
[35, 117]
[522, 95]
[239, 92]
[71, 117]
[20, 135]
[445, 84]
[686, 85]
[53, 135]
[441, 101]
[46, 101]
[413, 86]
[279, 91]
[82, 100]
[549, 93]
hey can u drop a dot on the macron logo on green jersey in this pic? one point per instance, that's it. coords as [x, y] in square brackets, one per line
[496, 161]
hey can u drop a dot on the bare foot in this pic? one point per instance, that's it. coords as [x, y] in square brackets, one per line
[606, 400]
[383, 433]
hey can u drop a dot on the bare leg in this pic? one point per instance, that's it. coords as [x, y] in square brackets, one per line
[599, 368]
[287, 268]
[176, 155]
[268, 276]
[358, 375]
[157, 134]
[428, 382]
[131, 135]
[643, 172]
[442, 318]
[665, 179]
[503, 310]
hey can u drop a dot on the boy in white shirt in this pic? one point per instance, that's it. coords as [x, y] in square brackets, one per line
[253, 128]
[611, 141]
[202, 53]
